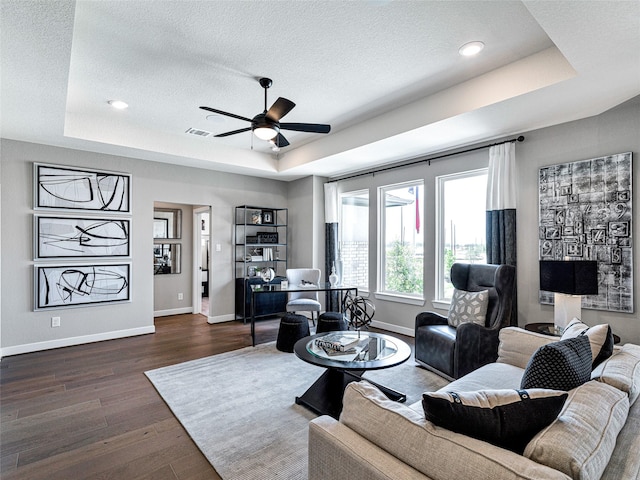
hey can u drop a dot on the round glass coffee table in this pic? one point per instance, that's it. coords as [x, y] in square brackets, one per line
[366, 351]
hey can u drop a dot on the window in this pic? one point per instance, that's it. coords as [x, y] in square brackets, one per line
[461, 217]
[401, 239]
[354, 238]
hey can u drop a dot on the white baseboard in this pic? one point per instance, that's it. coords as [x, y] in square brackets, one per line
[68, 342]
[221, 318]
[173, 311]
[409, 332]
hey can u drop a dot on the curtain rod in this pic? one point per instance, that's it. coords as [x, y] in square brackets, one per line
[429, 159]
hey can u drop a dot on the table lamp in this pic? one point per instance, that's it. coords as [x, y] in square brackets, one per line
[568, 279]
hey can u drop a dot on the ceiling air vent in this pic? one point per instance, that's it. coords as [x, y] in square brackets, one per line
[200, 133]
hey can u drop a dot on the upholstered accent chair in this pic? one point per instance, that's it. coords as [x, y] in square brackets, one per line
[304, 301]
[453, 351]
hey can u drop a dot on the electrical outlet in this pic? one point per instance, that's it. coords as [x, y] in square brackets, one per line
[218, 247]
[180, 296]
[55, 322]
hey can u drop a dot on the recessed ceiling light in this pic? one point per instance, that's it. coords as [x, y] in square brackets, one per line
[470, 49]
[119, 104]
[216, 118]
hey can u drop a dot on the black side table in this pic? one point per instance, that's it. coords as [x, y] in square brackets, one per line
[548, 328]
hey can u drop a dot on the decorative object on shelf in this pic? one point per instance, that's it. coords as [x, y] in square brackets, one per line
[256, 254]
[267, 237]
[585, 213]
[568, 280]
[251, 271]
[267, 274]
[333, 278]
[256, 218]
[358, 311]
[268, 217]
[252, 239]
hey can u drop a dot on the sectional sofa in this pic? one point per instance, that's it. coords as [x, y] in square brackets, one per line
[595, 435]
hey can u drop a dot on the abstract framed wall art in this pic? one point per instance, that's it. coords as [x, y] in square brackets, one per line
[81, 285]
[586, 214]
[68, 237]
[68, 188]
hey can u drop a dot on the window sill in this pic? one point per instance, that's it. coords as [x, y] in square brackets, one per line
[391, 297]
[441, 304]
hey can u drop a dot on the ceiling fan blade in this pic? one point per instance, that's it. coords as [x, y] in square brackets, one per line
[220, 112]
[306, 127]
[280, 108]
[226, 134]
[280, 141]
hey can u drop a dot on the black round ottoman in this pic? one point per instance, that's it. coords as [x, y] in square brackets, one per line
[331, 322]
[293, 327]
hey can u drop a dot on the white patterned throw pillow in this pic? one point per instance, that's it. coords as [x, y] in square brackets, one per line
[468, 307]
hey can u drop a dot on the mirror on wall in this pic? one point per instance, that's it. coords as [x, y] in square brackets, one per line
[166, 258]
[167, 223]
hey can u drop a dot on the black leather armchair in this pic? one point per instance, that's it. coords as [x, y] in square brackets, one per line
[454, 352]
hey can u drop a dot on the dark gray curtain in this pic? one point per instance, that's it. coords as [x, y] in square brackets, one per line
[501, 237]
[331, 259]
[501, 211]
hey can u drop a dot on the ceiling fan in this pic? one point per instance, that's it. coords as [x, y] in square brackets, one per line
[267, 125]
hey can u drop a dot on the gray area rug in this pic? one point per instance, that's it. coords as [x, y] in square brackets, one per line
[239, 407]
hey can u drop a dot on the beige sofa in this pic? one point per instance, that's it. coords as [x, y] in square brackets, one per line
[596, 435]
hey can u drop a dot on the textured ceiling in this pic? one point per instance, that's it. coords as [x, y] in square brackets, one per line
[385, 74]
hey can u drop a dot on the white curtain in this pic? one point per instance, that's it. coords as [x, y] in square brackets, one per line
[331, 202]
[501, 184]
[331, 248]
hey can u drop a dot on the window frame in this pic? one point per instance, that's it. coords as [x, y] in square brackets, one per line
[381, 292]
[353, 193]
[440, 299]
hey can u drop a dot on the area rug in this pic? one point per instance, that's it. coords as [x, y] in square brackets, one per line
[239, 407]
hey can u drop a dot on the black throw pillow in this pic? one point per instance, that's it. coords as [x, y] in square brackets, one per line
[505, 418]
[562, 365]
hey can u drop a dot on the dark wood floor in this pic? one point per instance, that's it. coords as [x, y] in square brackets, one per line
[88, 412]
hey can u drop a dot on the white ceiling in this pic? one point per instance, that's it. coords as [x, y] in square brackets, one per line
[384, 73]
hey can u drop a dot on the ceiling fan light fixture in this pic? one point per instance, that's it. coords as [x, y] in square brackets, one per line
[470, 49]
[265, 132]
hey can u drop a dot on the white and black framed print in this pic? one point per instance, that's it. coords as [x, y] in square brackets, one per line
[586, 214]
[80, 237]
[268, 217]
[81, 285]
[68, 188]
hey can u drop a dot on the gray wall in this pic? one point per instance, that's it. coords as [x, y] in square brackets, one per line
[616, 131]
[301, 223]
[25, 330]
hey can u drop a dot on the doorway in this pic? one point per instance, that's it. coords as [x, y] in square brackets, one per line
[202, 260]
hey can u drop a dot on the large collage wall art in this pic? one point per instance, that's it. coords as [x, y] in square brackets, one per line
[586, 214]
[89, 244]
